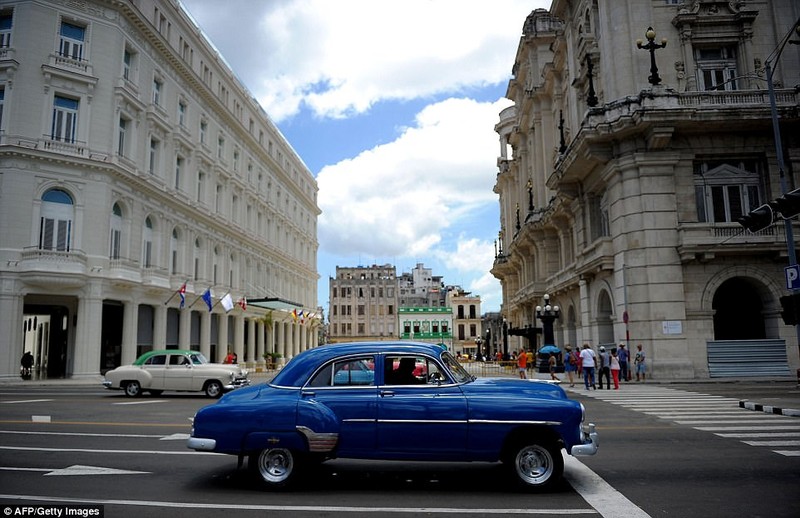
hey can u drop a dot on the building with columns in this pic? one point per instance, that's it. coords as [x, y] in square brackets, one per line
[624, 166]
[136, 171]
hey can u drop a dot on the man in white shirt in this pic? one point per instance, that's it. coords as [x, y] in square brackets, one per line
[588, 362]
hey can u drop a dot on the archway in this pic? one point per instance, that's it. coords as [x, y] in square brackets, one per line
[738, 311]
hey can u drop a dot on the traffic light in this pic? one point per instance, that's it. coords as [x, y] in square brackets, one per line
[790, 305]
[758, 218]
[788, 204]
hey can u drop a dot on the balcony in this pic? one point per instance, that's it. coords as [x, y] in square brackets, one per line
[52, 268]
[704, 241]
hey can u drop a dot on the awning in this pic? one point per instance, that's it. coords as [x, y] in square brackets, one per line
[274, 303]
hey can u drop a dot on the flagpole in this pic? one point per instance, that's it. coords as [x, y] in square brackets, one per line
[175, 293]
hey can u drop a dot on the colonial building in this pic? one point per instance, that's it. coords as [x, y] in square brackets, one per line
[467, 332]
[625, 165]
[136, 175]
[427, 324]
[363, 304]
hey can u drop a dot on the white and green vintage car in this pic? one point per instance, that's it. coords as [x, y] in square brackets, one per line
[178, 370]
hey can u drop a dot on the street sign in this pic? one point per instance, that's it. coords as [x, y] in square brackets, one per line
[792, 277]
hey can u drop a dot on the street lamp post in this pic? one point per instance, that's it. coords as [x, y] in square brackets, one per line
[547, 315]
[652, 46]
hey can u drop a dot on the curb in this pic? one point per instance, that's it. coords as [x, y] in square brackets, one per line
[767, 409]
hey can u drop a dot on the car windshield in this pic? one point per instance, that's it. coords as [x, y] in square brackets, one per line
[198, 359]
[460, 374]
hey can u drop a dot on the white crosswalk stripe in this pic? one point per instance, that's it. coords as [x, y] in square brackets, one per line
[709, 413]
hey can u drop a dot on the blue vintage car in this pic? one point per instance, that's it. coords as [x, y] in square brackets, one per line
[393, 401]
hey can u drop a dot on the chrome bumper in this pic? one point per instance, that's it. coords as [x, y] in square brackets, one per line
[237, 383]
[107, 384]
[590, 447]
[199, 444]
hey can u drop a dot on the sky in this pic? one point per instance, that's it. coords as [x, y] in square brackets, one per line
[392, 106]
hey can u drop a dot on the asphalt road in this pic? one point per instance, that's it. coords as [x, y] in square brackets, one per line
[664, 452]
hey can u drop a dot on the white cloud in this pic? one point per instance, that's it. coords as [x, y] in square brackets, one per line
[398, 198]
[341, 57]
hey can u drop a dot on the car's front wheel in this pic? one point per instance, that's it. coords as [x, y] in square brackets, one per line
[277, 467]
[536, 465]
[213, 389]
[133, 389]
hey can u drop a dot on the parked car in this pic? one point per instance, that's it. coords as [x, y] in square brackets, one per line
[310, 412]
[157, 371]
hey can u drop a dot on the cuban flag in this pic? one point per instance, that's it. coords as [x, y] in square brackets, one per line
[182, 293]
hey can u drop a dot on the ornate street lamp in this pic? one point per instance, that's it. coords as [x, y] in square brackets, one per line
[547, 315]
[652, 46]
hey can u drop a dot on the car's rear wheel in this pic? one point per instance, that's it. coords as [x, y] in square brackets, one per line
[536, 465]
[277, 467]
[133, 389]
[213, 389]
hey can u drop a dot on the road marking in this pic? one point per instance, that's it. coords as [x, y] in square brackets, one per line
[40, 418]
[77, 434]
[175, 437]
[145, 402]
[78, 470]
[86, 450]
[597, 492]
[758, 435]
[26, 401]
[308, 508]
[788, 453]
[773, 443]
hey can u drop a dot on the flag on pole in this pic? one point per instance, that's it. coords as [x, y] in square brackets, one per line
[302, 318]
[206, 296]
[227, 302]
[182, 293]
[294, 315]
[242, 303]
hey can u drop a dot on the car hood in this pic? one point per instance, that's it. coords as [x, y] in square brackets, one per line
[499, 387]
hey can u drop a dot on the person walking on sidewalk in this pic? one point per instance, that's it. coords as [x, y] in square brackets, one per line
[571, 364]
[551, 363]
[605, 371]
[615, 369]
[622, 354]
[522, 363]
[639, 362]
[588, 362]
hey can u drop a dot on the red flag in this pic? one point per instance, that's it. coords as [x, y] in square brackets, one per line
[182, 293]
[243, 303]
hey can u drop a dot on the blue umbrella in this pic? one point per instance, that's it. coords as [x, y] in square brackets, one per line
[547, 349]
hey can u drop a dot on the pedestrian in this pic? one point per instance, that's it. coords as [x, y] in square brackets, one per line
[25, 364]
[623, 363]
[588, 362]
[639, 363]
[552, 364]
[230, 358]
[529, 361]
[571, 364]
[615, 369]
[522, 363]
[605, 371]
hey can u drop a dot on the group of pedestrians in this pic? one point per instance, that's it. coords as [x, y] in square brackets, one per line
[611, 366]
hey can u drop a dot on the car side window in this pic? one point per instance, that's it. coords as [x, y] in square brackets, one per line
[411, 370]
[177, 359]
[346, 373]
[159, 359]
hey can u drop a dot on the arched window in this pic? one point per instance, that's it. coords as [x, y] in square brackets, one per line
[116, 232]
[147, 243]
[55, 227]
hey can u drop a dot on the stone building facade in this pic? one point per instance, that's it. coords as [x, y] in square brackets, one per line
[133, 164]
[363, 304]
[624, 168]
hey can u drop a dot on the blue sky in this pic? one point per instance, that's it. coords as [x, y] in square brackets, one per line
[392, 106]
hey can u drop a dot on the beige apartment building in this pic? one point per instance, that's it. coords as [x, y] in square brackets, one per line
[624, 167]
[363, 304]
[136, 171]
[467, 329]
